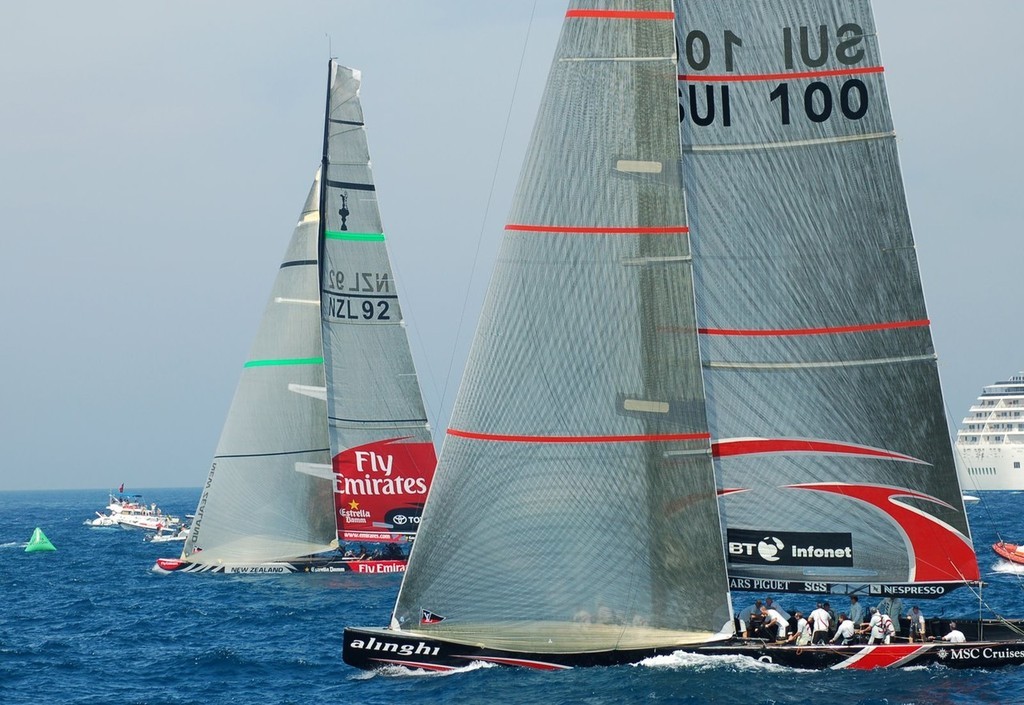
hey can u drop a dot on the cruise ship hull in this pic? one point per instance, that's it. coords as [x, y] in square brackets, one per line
[992, 467]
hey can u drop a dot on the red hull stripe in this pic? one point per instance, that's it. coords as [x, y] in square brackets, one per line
[472, 435]
[598, 230]
[523, 663]
[789, 332]
[621, 14]
[751, 78]
[417, 664]
[757, 446]
[883, 656]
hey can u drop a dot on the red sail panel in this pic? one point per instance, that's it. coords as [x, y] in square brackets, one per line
[939, 551]
[381, 488]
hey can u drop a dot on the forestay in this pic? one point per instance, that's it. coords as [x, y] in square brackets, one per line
[823, 393]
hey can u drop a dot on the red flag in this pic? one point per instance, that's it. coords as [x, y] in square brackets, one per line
[121, 488]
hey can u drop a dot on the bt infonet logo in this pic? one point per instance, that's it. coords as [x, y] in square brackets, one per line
[789, 548]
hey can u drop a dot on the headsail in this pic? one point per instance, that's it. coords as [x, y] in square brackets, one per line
[382, 452]
[823, 393]
[574, 506]
[254, 506]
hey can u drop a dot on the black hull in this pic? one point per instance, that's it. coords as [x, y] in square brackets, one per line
[301, 565]
[372, 649]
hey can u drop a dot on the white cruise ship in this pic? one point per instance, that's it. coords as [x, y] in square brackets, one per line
[990, 442]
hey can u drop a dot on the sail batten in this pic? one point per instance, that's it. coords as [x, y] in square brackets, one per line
[789, 144]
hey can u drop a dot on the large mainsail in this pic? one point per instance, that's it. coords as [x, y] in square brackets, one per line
[574, 507]
[255, 506]
[381, 447]
[823, 393]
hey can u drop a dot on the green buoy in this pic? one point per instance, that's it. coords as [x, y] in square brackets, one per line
[39, 542]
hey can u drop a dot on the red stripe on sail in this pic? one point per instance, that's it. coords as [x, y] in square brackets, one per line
[757, 446]
[788, 332]
[621, 14]
[472, 435]
[599, 230]
[755, 77]
[938, 552]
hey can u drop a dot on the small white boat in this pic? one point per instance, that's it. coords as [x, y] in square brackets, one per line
[159, 537]
[102, 521]
[970, 499]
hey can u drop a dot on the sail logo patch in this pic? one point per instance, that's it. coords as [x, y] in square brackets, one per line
[789, 548]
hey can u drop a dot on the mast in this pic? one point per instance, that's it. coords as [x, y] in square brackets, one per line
[672, 383]
[322, 222]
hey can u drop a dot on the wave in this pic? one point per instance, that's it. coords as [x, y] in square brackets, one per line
[404, 672]
[704, 662]
[1008, 568]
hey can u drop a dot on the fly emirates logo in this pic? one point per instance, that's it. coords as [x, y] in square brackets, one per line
[375, 474]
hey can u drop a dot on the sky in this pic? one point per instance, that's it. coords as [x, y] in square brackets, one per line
[154, 158]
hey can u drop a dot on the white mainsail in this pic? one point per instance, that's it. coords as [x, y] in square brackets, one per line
[255, 506]
[574, 506]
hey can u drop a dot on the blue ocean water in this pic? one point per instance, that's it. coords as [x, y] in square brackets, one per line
[91, 623]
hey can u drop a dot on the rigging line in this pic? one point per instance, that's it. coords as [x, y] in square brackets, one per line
[487, 210]
[956, 451]
[976, 591]
[957, 456]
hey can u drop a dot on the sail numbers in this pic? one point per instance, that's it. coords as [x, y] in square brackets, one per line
[345, 308]
[358, 296]
[698, 49]
[712, 98]
[819, 103]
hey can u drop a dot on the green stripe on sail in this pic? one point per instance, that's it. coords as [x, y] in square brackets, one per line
[359, 237]
[288, 361]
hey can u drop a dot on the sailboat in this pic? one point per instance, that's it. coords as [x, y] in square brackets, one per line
[705, 301]
[326, 455]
